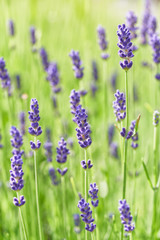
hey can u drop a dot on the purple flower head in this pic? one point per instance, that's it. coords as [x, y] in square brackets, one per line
[19, 202]
[74, 100]
[48, 150]
[119, 106]
[35, 146]
[52, 173]
[16, 140]
[93, 191]
[1, 146]
[18, 81]
[125, 45]
[4, 76]
[156, 115]
[44, 58]
[86, 215]
[22, 122]
[145, 24]
[104, 56]
[76, 218]
[95, 71]
[76, 64]
[83, 93]
[33, 35]
[152, 25]
[155, 44]
[53, 77]
[83, 130]
[157, 76]
[62, 151]
[113, 148]
[111, 131]
[126, 217]
[34, 118]
[102, 38]
[93, 88]
[11, 27]
[86, 165]
[131, 20]
[63, 171]
[114, 81]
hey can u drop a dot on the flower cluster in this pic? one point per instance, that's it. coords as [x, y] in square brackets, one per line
[83, 130]
[80, 118]
[52, 173]
[135, 137]
[1, 145]
[119, 106]
[61, 157]
[34, 118]
[131, 20]
[102, 41]
[145, 24]
[93, 191]
[22, 122]
[18, 81]
[77, 227]
[126, 217]
[33, 37]
[48, 146]
[44, 58]
[4, 76]
[152, 26]
[53, 77]
[113, 146]
[156, 115]
[11, 28]
[86, 215]
[74, 101]
[155, 44]
[16, 174]
[114, 81]
[94, 78]
[125, 45]
[87, 164]
[76, 61]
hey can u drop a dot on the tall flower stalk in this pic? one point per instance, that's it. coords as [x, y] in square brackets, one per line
[35, 130]
[16, 174]
[125, 52]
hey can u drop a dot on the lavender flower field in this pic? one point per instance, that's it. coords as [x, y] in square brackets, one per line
[79, 120]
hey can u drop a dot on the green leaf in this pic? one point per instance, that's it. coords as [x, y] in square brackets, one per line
[147, 175]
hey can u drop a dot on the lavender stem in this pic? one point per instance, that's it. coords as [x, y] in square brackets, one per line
[36, 186]
[86, 187]
[63, 203]
[21, 220]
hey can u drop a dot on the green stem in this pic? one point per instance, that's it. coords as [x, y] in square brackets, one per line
[104, 98]
[125, 149]
[92, 235]
[155, 182]
[22, 221]
[130, 236]
[37, 200]
[97, 230]
[86, 188]
[63, 203]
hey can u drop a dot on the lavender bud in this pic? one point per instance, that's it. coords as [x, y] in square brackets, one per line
[76, 64]
[126, 217]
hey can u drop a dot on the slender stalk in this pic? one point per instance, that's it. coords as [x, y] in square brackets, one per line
[155, 182]
[63, 203]
[37, 200]
[97, 230]
[22, 221]
[86, 188]
[92, 235]
[130, 236]
[104, 98]
[125, 148]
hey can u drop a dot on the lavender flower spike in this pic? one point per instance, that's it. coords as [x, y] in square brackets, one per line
[76, 61]
[119, 106]
[83, 130]
[145, 23]
[16, 173]
[86, 215]
[22, 122]
[93, 191]
[32, 35]
[11, 27]
[152, 26]
[44, 58]
[34, 118]
[131, 20]
[126, 217]
[74, 100]
[62, 153]
[102, 41]
[125, 45]
[4, 76]
[53, 77]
